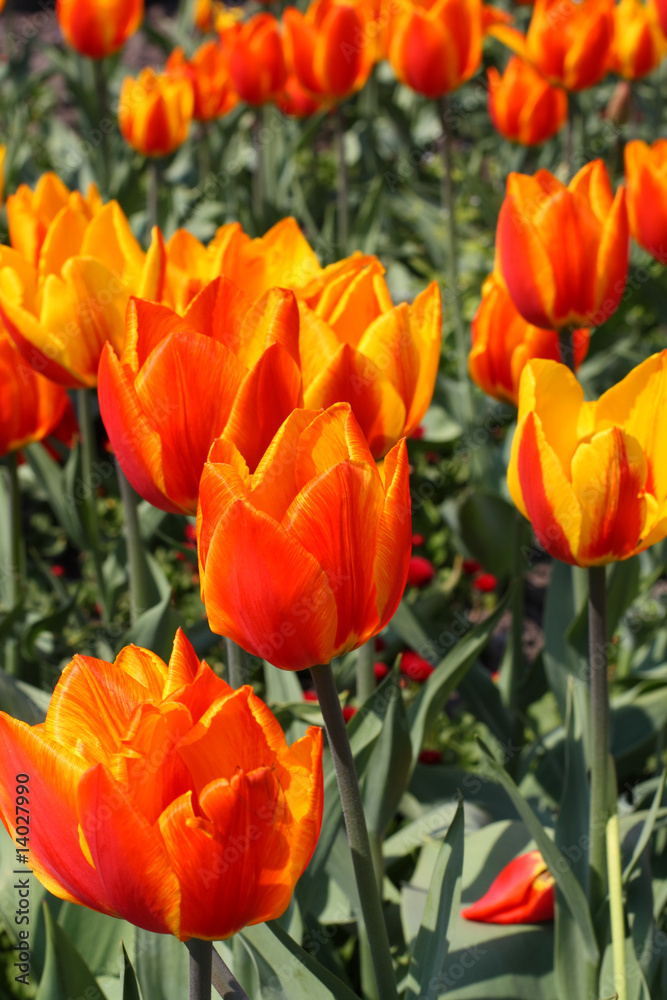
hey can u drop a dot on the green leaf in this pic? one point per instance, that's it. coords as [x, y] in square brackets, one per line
[63, 501]
[53, 622]
[487, 524]
[128, 977]
[432, 943]
[286, 971]
[65, 975]
[152, 629]
[21, 700]
[623, 580]
[559, 867]
[389, 768]
[97, 936]
[162, 966]
[560, 659]
[647, 829]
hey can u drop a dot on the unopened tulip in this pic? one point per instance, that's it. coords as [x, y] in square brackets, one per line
[503, 342]
[155, 111]
[592, 476]
[307, 558]
[257, 62]
[30, 213]
[61, 312]
[173, 801]
[208, 73]
[227, 365]
[563, 251]
[568, 41]
[434, 47]
[98, 28]
[523, 893]
[523, 106]
[639, 43]
[326, 48]
[31, 406]
[646, 179]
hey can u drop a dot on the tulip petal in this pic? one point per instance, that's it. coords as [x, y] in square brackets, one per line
[522, 893]
[394, 532]
[274, 484]
[184, 665]
[317, 344]
[273, 319]
[62, 240]
[331, 437]
[220, 486]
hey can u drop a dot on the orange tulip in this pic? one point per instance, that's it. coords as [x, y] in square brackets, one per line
[295, 101]
[208, 73]
[257, 62]
[523, 893]
[503, 343]
[568, 41]
[646, 179]
[434, 47]
[326, 48]
[225, 366]
[31, 406]
[592, 477]
[172, 800]
[61, 311]
[98, 28]
[154, 112]
[563, 251]
[639, 43]
[661, 10]
[523, 106]
[307, 558]
[30, 213]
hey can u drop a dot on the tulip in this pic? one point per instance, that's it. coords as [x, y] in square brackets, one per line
[523, 106]
[225, 366]
[436, 46]
[646, 178]
[661, 9]
[154, 112]
[30, 213]
[591, 476]
[151, 777]
[257, 62]
[98, 29]
[208, 73]
[568, 41]
[295, 101]
[326, 48]
[563, 251]
[307, 558]
[31, 406]
[503, 342]
[639, 43]
[523, 893]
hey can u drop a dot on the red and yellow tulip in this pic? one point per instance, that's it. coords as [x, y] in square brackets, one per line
[98, 28]
[503, 343]
[639, 43]
[523, 106]
[227, 366]
[307, 558]
[155, 111]
[563, 251]
[208, 73]
[523, 893]
[646, 180]
[257, 61]
[31, 406]
[173, 801]
[592, 476]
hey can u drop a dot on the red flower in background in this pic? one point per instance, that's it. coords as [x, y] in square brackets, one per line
[523, 893]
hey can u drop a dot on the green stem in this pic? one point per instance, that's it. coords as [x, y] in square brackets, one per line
[201, 959]
[343, 192]
[566, 344]
[237, 664]
[616, 906]
[152, 188]
[88, 453]
[224, 982]
[365, 671]
[104, 157]
[597, 640]
[143, 592]
[258, 175]
[357, 833]
[512, 670]
[447, 195]
[15, 581]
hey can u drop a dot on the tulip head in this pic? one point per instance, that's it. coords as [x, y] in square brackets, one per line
[154, 111]
[148, 774]
[98, 28]
[307, 558]
[257, 62]
[563, 251]
[208, 73]
[227, 366]
[646, 179]
[435, 47]
[523, 106]
[30, 213]
[523, 893]
[503, 343]
[592, 477]
[639, 43]
[31, 406]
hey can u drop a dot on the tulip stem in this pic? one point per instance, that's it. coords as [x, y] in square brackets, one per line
[616, 906]
[90, 503]
[365, 671]
[343, 187]
[237, 664]
[224, 982]
[357, 832]
[143, 591]
[447, 194]
[104, 121]
[152, 186]
[201, 961]
[258, 175]
[566, 344]
[15, 582]
[599, 694]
